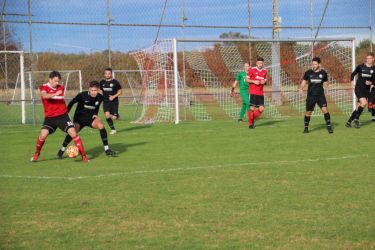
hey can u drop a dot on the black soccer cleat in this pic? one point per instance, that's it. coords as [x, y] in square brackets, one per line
[60, 154]
[329, 129]
[306, 130]
[110, 153]
[240, 120]
[356, 123]
[348, 124]
[252, 126]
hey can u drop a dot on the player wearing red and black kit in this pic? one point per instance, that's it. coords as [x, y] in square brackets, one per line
[111, 90]
[257, 77]
[317, 80]
[362, 88]
[56, 115]
[86, 114]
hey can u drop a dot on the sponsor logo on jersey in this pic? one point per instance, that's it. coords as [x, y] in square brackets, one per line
[89, 107]
[316, 80]
[107, 89]
[366, 75]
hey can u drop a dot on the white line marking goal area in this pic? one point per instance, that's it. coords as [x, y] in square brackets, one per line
[180, 169]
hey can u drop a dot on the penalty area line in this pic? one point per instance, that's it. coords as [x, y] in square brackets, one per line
[166, 170]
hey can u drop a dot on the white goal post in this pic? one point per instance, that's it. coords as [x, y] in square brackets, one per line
[22, 81]
[200, 71]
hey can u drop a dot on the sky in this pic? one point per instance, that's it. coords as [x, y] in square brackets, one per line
[76, 39]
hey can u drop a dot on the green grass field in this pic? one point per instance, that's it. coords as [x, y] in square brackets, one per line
[196, 185]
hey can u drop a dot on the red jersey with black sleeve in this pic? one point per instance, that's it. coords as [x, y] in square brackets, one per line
[54, 106]
[256, 74]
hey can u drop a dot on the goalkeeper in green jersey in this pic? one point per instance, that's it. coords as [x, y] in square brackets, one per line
[244, 90]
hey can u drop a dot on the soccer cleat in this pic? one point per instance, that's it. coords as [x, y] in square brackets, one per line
[306, 130]
[84, 159]
[356, 123]
[34, 158]
[109, 152]
[348, 124]
[113, 131]
[60, 154]
[252, 126]
[240, 120]
[329, 129]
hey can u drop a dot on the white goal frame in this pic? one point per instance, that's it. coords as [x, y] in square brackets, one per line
[22, 81]
[177, 41]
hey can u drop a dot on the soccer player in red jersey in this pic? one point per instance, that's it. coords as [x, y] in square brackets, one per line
[257, 78]
[56, 115]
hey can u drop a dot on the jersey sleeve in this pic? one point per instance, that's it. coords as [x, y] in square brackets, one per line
[325, 77]
[118, 86]
[74, 101]
[355, 72]
[42, 89]
[238, 78]
[306, 76]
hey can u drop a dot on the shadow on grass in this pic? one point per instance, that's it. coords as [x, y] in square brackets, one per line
[367, 123]
[134, 128]
[323, 126]
[118, 147]
[269, 122]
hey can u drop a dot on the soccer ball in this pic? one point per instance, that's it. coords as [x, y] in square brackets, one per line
[72, 151]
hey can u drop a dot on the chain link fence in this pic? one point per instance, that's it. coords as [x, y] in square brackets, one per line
[88, 36]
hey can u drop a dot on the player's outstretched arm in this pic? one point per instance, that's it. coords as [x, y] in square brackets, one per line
[73, 101]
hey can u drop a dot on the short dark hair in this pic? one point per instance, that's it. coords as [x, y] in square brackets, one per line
[316, 59]
[108, 69]
[54, 74]
[260, 59]
[370, 54]
[94, 84]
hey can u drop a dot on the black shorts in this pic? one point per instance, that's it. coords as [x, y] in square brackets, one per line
[312, 100]
[362, 93]
[84, 121]
[111, 107]
[62, 121]
[256, 100]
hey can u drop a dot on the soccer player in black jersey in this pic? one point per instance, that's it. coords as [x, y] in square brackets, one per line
[86, 114]
[111, 90]
[317, 80]
[366, 78]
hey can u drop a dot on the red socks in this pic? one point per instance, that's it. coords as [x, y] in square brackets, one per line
[251, 117]
[78, 142]
[39, 145]
[257, 114]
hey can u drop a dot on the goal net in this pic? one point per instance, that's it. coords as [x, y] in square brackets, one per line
[187, 79]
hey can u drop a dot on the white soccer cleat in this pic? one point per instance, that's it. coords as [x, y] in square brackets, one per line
[113, 131]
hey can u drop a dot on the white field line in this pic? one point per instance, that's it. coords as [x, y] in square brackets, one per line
[166, 170]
